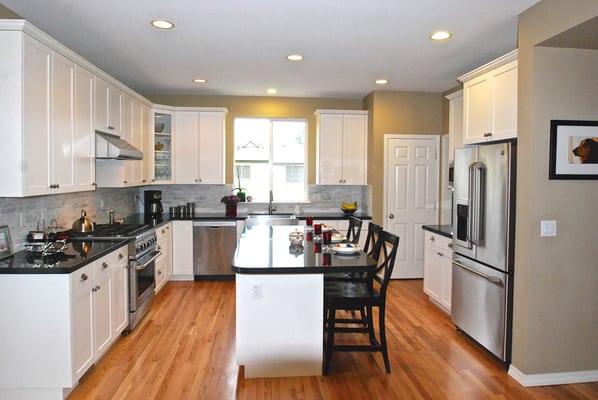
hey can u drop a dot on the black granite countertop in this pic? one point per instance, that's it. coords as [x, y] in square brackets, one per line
[158, 220]
[333, 215]
[444, 230]
[266, 250]
[73, 258]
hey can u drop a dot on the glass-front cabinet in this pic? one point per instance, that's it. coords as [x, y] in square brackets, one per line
[162, 160]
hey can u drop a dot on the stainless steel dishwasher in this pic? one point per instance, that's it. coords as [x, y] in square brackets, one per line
[214, 244]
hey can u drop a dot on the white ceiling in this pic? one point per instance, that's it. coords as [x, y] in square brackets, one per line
[240, 46]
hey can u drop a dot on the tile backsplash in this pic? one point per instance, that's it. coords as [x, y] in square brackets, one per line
[207, 198]
[22, 214]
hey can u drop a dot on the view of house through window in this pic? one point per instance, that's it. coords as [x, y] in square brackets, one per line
[270, 155]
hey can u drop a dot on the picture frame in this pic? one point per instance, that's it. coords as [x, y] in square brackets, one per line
[5, 242]
[573, 149]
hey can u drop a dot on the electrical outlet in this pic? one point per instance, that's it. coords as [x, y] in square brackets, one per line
[547, 228]
[21, 220]
[102, 205]
[256, 291]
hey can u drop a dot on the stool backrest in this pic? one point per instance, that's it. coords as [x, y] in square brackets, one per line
[354, 231]
[385, 252]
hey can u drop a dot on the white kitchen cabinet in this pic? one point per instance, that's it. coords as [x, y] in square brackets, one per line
[120, 299]
[438, 256]
[102, 313]
[455, 123]
[83, 133]
[182, 251]
[107, 107]
[199, 151]
[490, 101]
[82, 331]
[137, 142]
[341, 147]
[164, 262]
[147, 144]
[162, 153]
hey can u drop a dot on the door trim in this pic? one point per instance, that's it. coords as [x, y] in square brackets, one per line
[389, 136]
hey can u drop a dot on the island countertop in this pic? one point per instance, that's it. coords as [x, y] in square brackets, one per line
[266, 250]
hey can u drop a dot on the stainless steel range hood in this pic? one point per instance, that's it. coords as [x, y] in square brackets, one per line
[114, 148]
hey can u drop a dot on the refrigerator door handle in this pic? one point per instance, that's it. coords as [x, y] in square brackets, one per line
[494, 279]
[470, 204]
[479, 179]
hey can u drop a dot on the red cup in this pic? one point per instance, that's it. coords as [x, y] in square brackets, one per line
[327, 237]
[318, 229]
[309, 236]
[317, 247]
[327, 259]
[309, 221]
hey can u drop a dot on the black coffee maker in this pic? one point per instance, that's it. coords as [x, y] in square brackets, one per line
[152, 200]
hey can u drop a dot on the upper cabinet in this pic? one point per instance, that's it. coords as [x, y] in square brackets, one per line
[199, 146]
[455, 123]
[161, 155]
[490, 101]
[108, 108]
[341, 147]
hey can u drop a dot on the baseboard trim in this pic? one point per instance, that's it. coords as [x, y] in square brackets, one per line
[558, 378]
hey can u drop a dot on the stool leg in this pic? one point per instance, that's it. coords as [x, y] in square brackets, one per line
[329, 340]
[383, 340]
[370, 324]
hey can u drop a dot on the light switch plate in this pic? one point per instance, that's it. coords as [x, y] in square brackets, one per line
[548, 228]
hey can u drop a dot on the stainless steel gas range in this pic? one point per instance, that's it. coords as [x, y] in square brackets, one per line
[142, 256]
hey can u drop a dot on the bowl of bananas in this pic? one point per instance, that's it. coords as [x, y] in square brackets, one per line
[349, 208]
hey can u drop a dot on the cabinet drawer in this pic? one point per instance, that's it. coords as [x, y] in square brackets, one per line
[82, 278]
[439, 241]
[106, 263]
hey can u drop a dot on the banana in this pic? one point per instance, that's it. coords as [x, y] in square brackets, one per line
[349, 206]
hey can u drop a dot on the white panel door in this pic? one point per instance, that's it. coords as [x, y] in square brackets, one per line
[37, 64]
[82, 332]
[505, 102]
[477, 103]
[411, 198]
[61, 139]
[120, 300]
[330, 149]
[354, 149]
[211, 147]
[136, 140]
[102, 313]
[127, 134]
[83, 133]
[185, 147]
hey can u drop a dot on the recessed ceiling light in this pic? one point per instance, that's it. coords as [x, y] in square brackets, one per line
[440, 35]
[271, 91]
[381, 81]
[162, 24]
[295, 57]
[200, 80]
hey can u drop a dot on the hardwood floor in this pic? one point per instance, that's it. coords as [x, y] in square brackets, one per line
[185, 349]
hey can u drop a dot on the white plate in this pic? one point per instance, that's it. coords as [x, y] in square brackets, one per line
[346, 248]
[337, 238]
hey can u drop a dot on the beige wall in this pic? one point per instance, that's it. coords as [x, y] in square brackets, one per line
[402, 113]
[555, 325]
[7, 13]
[266, 107]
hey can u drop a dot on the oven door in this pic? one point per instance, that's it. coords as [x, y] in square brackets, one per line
[141, 279]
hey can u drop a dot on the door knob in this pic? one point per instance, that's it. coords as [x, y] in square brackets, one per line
[391, 216]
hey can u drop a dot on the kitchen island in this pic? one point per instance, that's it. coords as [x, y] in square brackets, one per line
[280, 301]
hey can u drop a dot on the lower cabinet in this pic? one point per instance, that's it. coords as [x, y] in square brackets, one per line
[82, 318]
[438, 266]
[182, 251]
[102, 312]
[120, 298]
[163, 269]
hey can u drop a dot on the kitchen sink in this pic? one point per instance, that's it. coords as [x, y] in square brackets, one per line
[271, 219]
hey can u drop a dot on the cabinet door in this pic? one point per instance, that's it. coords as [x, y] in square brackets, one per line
[477, 102]
[127, 135]
[102, 313]
[447, 280]
[120, 300]
[83, 134]
[37, 64]
[159, 273]
[505, 102]
[136, 140]
[101, 105]
[432, 273]
[82, 332]
[455, 126]
[147, 145]
[182, 251]
[114, 110]
[211, 147]
[354, 149]
[61, 139]
[330, 134]
[185, 147]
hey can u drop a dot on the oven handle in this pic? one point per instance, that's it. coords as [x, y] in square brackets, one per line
[143, 266]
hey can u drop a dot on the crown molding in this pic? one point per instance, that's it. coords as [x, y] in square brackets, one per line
[500, 61]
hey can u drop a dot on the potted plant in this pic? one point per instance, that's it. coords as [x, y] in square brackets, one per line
[240, 191]
[231, 204]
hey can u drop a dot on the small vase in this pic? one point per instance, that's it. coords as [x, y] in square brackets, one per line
[231, 210]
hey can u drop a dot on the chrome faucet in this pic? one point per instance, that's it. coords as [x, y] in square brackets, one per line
[271, 208]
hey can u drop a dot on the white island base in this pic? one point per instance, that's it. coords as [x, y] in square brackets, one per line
[279, 324]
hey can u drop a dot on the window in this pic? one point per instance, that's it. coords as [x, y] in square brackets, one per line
[270, 155]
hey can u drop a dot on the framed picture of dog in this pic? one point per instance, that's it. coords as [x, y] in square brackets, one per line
[573, 149]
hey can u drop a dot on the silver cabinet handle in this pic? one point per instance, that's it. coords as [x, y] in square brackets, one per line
[391, 216]
[104, 265]
[440, 254]
[84, 277]
[159, 272]
[120, 256]
[432, 239]
[487, 134]
[450, 245]
[111, 128]
[493, 279]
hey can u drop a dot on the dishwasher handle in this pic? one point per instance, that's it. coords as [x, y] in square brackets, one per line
[214, 224]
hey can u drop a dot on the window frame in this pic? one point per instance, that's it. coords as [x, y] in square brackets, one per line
[271, 162]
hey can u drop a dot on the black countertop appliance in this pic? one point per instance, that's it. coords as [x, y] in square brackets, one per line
[152, 201]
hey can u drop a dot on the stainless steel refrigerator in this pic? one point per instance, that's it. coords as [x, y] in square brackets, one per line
[483, 244]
